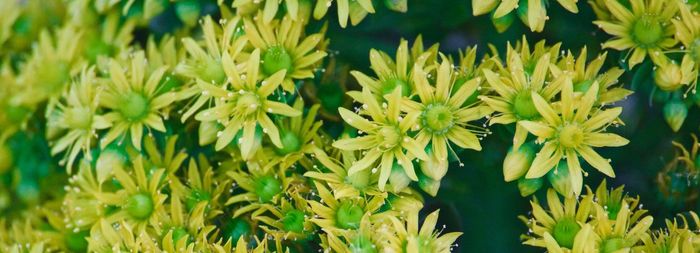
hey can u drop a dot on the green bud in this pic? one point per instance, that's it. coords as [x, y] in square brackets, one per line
[236, 228]
[397, 5]
[668, 77]
[524, 107]
[348, 215]
[360, 179]
[428, 184]
[518, 162]
[293, 221]
[290, 143]
[111, 158]
[208, 131]
[140, 206]
[565, 231]
[267, 187]
[559, 179]
[433, 168]
[398, 178]
[528, 186]
[276, 58]
[503, 23]
[675, 113]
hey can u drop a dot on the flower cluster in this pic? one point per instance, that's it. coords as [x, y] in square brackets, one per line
[199, 140]
[605, 221]
[667, 32]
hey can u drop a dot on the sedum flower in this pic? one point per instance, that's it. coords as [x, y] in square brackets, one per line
[670, 76]
[572, 134]
[386, 140]
[336, 213]
[688, 33]
[283, 46]
[333, 170]
[645, 29]
[563, 226]
[363, 239]
[355, 10]
[78, 117]
[298, 135]
[243, 103]
[298, 10]
[261, 184]
[512, 101]
[200, 186]
[394, 74]
[535, 11]
[583, 74]
[622, 233]
[444, 117]
[132, 96]
[410, 237]
[289, 219]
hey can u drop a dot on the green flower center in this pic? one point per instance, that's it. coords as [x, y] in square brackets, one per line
[235, 228]
[195, 197]
[437, 118]
[647, 31]
[565, 231]
[389, 85]
[276, 58]
[140, 206]
[293, 221]
[134, 106]
[178, 233]
[391, 137]
[77, 242]
[570, 136]
[611, 245]
[78, 117]
[249, 103]
[523, 106]
[348, 215]
[362, 244]
[290, 143]
[212, 71]
[267, 187]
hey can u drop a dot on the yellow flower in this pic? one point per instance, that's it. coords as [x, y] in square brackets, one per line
[572, 134]
[298, 135]
[536, 10]
[337, 213]
[261, 184]
[514, 87]
[77, 116]
[583, 74]
[200, 186]
[395, 74]
[444, 115]
[243, 103]
[205, 64]
[623, 233]
[283, 46]
[132, 96]
[410, 238]
[688, 33]
[333, 170]
[356, 10]
[562, 226]
[646, 29]
[289, 219]
[363, 239]
[386, 140]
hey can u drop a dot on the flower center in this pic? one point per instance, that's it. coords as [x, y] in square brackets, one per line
[293, 221]
[348, 215]
[78, 117]
[266, 187]
[389, 85]
[391, 137]
[647, 31]
[212, 71]
[565, 232]
[570, 136]
[249, 103]
[290, 143]
[134, 106]
[437, 118]
[235, 228]
[610, 245]
[276, 58]
[523, 106]
[140, 206]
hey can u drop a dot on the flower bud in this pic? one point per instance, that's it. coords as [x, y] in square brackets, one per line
[208, 131]
[675, 113]
[434, 168]
[405, 203]
[398, 178]
[428, 184]
[668, 77]
[528, 186]
[397, 5]
[559, 179]
[517, 162]
[503, 23]
[108, 160]
[481, 7]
